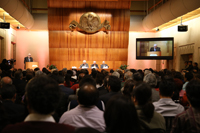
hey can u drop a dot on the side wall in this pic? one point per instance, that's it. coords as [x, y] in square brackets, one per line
[6, 37]
[184, 38]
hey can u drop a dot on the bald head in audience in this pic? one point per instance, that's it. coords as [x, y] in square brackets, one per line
[88, 95]
[5, 81]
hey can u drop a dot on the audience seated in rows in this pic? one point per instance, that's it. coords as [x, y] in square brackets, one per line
[108, 87]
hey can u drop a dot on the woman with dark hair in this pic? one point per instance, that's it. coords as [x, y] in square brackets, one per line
[145, 109]
[128, 87]
[121, 116]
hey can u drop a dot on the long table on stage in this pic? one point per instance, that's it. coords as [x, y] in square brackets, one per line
[90, 69]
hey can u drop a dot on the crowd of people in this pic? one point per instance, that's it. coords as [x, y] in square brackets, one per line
[115, 101]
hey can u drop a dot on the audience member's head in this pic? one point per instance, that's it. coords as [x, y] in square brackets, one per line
[54, 71]
[80, 76]
[186, 63]
[116, 74]
[111, 70]
[43, 95]
[8, 92]
[147, 71]
[137, 78]
[128, 87]
[64, 71]
[178, 84]
[29, 76]
[178, 75]
[60, 79]
[128, 75]
[84, 71]
[5, 81]
[121, 74]
[114, 84]
[195, 64]
[36, 69]
[192, 92]
[44, 70]
[18, 75]
[39, 73]
[133, 71]
[67, 80]
[142, 97]
[189, 62]
[188, 76]
[88, 95]
[87, 79]
[99, 78]
[121, 116]
[150, 79]
[94, 73]
[166, 88]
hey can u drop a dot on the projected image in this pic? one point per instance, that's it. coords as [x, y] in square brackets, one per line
[154, 48]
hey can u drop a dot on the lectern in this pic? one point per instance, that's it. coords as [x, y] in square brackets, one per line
[31, 65]
[154, 53]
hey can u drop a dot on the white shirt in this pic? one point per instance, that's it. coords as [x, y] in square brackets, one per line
[167, 107]
[39, 117]
[84, 117]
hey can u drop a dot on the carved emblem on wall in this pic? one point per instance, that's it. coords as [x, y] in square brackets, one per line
[90, 23]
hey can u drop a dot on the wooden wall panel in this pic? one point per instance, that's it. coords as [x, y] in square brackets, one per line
[91, 54]
[59, 19]
[66, 39]
[67, 49]
[98, 4]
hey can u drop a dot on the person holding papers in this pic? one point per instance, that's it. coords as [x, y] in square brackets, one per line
[94, 65]
[104, 66]
[84, 65]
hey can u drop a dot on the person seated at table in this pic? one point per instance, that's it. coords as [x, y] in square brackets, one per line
[84, 65]
[94, 65]
[103, 65]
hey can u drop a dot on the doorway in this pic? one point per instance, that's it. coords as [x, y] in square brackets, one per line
[185, 57]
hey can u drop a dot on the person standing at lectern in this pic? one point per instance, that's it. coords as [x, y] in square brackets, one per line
[84, 65]
[155, 48]
[27, 59]
[103, 65]
[94, 65]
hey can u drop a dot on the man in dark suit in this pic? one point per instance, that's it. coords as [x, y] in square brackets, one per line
[84, 65]
[114, 86]
[94, 65]
[103, 65]
[155, 48]
[27, 59]
[43, 97]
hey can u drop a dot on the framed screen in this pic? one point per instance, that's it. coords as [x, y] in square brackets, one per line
[155, 48]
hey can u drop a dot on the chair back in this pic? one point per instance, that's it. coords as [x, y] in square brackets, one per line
[168, 122]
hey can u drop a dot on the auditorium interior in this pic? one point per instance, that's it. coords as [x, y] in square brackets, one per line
[41, 27]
